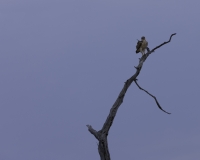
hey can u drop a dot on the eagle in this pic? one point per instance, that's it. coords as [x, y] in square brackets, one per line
[141, 46]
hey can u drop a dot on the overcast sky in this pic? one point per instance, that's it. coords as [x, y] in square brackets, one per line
[64, 62]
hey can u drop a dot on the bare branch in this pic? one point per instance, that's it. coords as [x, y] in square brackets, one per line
[151, 96]
[163, 43]
[92, 131]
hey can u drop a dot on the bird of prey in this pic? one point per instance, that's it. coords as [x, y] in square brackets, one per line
[141, 46]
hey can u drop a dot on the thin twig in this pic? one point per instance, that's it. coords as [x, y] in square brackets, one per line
[151, 96]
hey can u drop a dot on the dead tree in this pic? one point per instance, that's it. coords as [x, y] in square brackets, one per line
[102, 134]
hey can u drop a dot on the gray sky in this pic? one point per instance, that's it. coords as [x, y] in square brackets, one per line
[63, 64]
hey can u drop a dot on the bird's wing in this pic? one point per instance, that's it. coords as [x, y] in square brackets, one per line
[139, 44]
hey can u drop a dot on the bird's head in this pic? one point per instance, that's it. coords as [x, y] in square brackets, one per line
[143, 38]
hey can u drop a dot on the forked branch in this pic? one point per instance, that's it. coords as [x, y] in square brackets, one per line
[102, 134]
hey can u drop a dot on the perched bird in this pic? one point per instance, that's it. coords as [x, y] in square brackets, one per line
[141, 46]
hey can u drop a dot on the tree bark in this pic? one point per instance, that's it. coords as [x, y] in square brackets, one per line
[102, 134]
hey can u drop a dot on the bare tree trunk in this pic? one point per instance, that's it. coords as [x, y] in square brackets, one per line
[102, 134]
